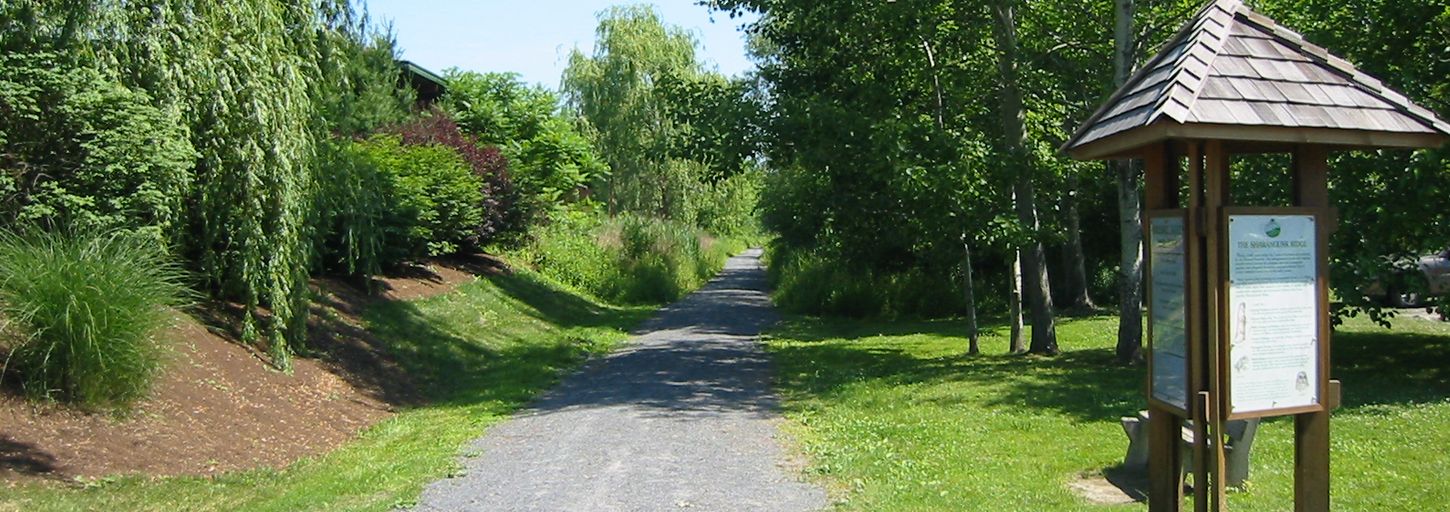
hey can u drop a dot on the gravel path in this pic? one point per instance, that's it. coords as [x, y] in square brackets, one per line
[681, 418]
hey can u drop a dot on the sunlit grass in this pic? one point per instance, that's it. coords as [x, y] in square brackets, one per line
[894, 416]
[479, 353]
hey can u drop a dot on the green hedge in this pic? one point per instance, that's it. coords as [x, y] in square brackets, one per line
[436, 196]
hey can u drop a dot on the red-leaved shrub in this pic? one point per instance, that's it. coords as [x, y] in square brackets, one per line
[501, 207]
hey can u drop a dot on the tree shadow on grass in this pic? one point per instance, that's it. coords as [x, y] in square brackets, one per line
[550, 304]
[1085, 384]
[1377, 367]
[1386, 367]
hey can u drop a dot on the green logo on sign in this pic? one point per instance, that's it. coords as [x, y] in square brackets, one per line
[1272, 229]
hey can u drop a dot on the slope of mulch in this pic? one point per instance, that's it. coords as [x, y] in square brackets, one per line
[219, 407]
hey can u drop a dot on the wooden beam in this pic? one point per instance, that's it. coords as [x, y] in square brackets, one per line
[1165, 465]
[1133, 141]
[1311, 431]
[1216, 166]
[1194, 252]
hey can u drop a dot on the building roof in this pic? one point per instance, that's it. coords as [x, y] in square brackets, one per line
[1233, 74]
[428, 84]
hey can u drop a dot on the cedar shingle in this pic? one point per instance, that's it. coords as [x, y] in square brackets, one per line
[1230, 65]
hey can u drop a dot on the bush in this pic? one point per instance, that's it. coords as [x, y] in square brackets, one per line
[499, 204]
[438, 198]
[626, 259]
[80, 313]
[812, 282]
[729, 207]
[355, 216]
[79, 149]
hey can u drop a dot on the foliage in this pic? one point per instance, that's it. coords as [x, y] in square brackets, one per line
[627, 259]
[357, 215]
[1389, 202]
[437, 197]
[616, 90]
[499, 203]
[730, 207]
[79, 149]
[80, 313]
[552, 158]
[254, 85]
[895, 417]
[479, 353]
[358, 91]
[717, 121]
[811, 282]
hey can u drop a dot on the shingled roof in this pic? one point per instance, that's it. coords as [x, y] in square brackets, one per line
[1234, 74]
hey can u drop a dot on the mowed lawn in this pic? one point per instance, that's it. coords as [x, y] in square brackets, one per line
[479, 353]
[895, 416]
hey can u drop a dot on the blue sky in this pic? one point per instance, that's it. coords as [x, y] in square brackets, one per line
[533, 37]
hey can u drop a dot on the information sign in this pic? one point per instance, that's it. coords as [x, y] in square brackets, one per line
[1167, 322]
[1273, 320]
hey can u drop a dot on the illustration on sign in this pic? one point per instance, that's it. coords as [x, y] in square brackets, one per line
[1167, 321]
[1273, 312]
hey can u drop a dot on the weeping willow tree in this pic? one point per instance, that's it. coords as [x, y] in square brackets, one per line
[257, 86]
[616, 91]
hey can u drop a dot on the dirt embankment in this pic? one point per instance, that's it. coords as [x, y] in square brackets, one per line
[220, 407]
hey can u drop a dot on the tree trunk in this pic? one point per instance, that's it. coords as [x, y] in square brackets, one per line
[971, 296]
[1037, 290]
[1014, 306]
[1130, 224]
[1075, 263]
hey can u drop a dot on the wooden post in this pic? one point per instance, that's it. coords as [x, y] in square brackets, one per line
[1311, 431]
[1197, 322]
[1165, 467]
[1216, 165]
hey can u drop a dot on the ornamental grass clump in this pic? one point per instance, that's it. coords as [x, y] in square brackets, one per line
[80, 314]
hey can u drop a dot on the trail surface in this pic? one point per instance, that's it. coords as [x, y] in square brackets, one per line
[681, 418]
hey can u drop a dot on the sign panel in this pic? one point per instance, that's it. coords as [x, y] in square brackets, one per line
[1167, 321]
[1273, 319]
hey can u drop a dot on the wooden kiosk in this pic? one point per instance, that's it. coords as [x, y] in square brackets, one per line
[1238, 297]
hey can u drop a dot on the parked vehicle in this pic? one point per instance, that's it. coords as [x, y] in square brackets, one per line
[1433, 269]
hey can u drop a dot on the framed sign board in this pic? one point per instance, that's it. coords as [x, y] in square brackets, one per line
[1167, 314]
[1275, 323]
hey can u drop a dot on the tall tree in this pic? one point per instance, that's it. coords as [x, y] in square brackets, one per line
[1036, 287]
[1130, 227]
[617, 91]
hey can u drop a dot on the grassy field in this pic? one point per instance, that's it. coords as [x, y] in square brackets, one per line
[479, 353]
[894, 416]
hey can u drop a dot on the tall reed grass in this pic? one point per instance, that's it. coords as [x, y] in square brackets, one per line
[80, 313]
[627, 259]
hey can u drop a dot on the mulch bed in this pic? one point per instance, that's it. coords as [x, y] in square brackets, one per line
[220, 407]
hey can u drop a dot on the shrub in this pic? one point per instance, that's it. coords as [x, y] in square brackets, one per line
[81, 313]
[79, 149]
[813, 282]
[626, 259]
[355, 211]
[728, 207]
[438, 198]
[501, 212]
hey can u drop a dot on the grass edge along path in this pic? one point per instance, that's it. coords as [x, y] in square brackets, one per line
[479, 353]
[894, 416]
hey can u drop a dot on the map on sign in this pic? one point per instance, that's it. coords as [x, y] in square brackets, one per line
[1167, 321]
[1273, 321]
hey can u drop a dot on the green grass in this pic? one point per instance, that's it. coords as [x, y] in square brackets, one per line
[626, 259]
[79, 314]
[894, 416]
[479, 353]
